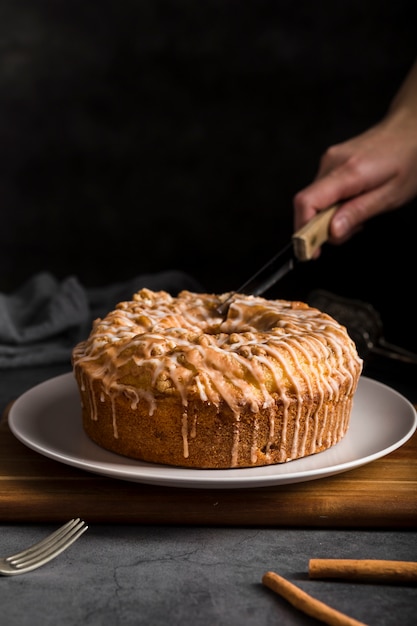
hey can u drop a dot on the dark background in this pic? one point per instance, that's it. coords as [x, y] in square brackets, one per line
[139, 136]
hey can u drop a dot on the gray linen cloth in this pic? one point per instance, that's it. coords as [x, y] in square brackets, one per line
[42, 321]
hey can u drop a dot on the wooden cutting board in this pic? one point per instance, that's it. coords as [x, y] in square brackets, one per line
[381, 494]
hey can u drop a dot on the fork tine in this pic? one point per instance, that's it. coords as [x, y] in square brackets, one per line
[55, 535]
[48, 554]
[49, 548]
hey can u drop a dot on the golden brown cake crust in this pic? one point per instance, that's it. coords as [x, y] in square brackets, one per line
[167, 380]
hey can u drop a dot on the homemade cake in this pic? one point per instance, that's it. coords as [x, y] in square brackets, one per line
[168, 380]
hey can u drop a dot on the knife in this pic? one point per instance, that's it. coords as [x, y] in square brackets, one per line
[302, 246]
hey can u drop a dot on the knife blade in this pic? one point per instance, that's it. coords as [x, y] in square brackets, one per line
[302, 246]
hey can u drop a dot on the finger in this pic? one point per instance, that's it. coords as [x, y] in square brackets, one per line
[337, 187]
[353, 213]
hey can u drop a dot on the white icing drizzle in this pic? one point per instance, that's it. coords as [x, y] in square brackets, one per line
[184, 432]
[265, 352]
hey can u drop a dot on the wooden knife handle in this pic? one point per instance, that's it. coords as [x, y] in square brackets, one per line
[313, 234]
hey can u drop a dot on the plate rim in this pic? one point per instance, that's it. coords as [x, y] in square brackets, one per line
[149, 473]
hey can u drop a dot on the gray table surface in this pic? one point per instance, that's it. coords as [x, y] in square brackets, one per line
[156, 575]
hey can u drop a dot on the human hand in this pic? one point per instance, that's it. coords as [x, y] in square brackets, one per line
[369, 174]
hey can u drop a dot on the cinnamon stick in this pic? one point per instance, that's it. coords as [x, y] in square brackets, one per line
[306, 603]
[364, 570]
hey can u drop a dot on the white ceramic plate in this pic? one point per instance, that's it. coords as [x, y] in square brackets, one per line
[47, 418]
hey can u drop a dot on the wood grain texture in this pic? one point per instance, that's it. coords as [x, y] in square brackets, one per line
[381, 494]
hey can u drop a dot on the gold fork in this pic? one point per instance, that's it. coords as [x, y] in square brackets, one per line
[40, 553]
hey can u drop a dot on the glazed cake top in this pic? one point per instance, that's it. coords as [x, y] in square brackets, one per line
[265, 349]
